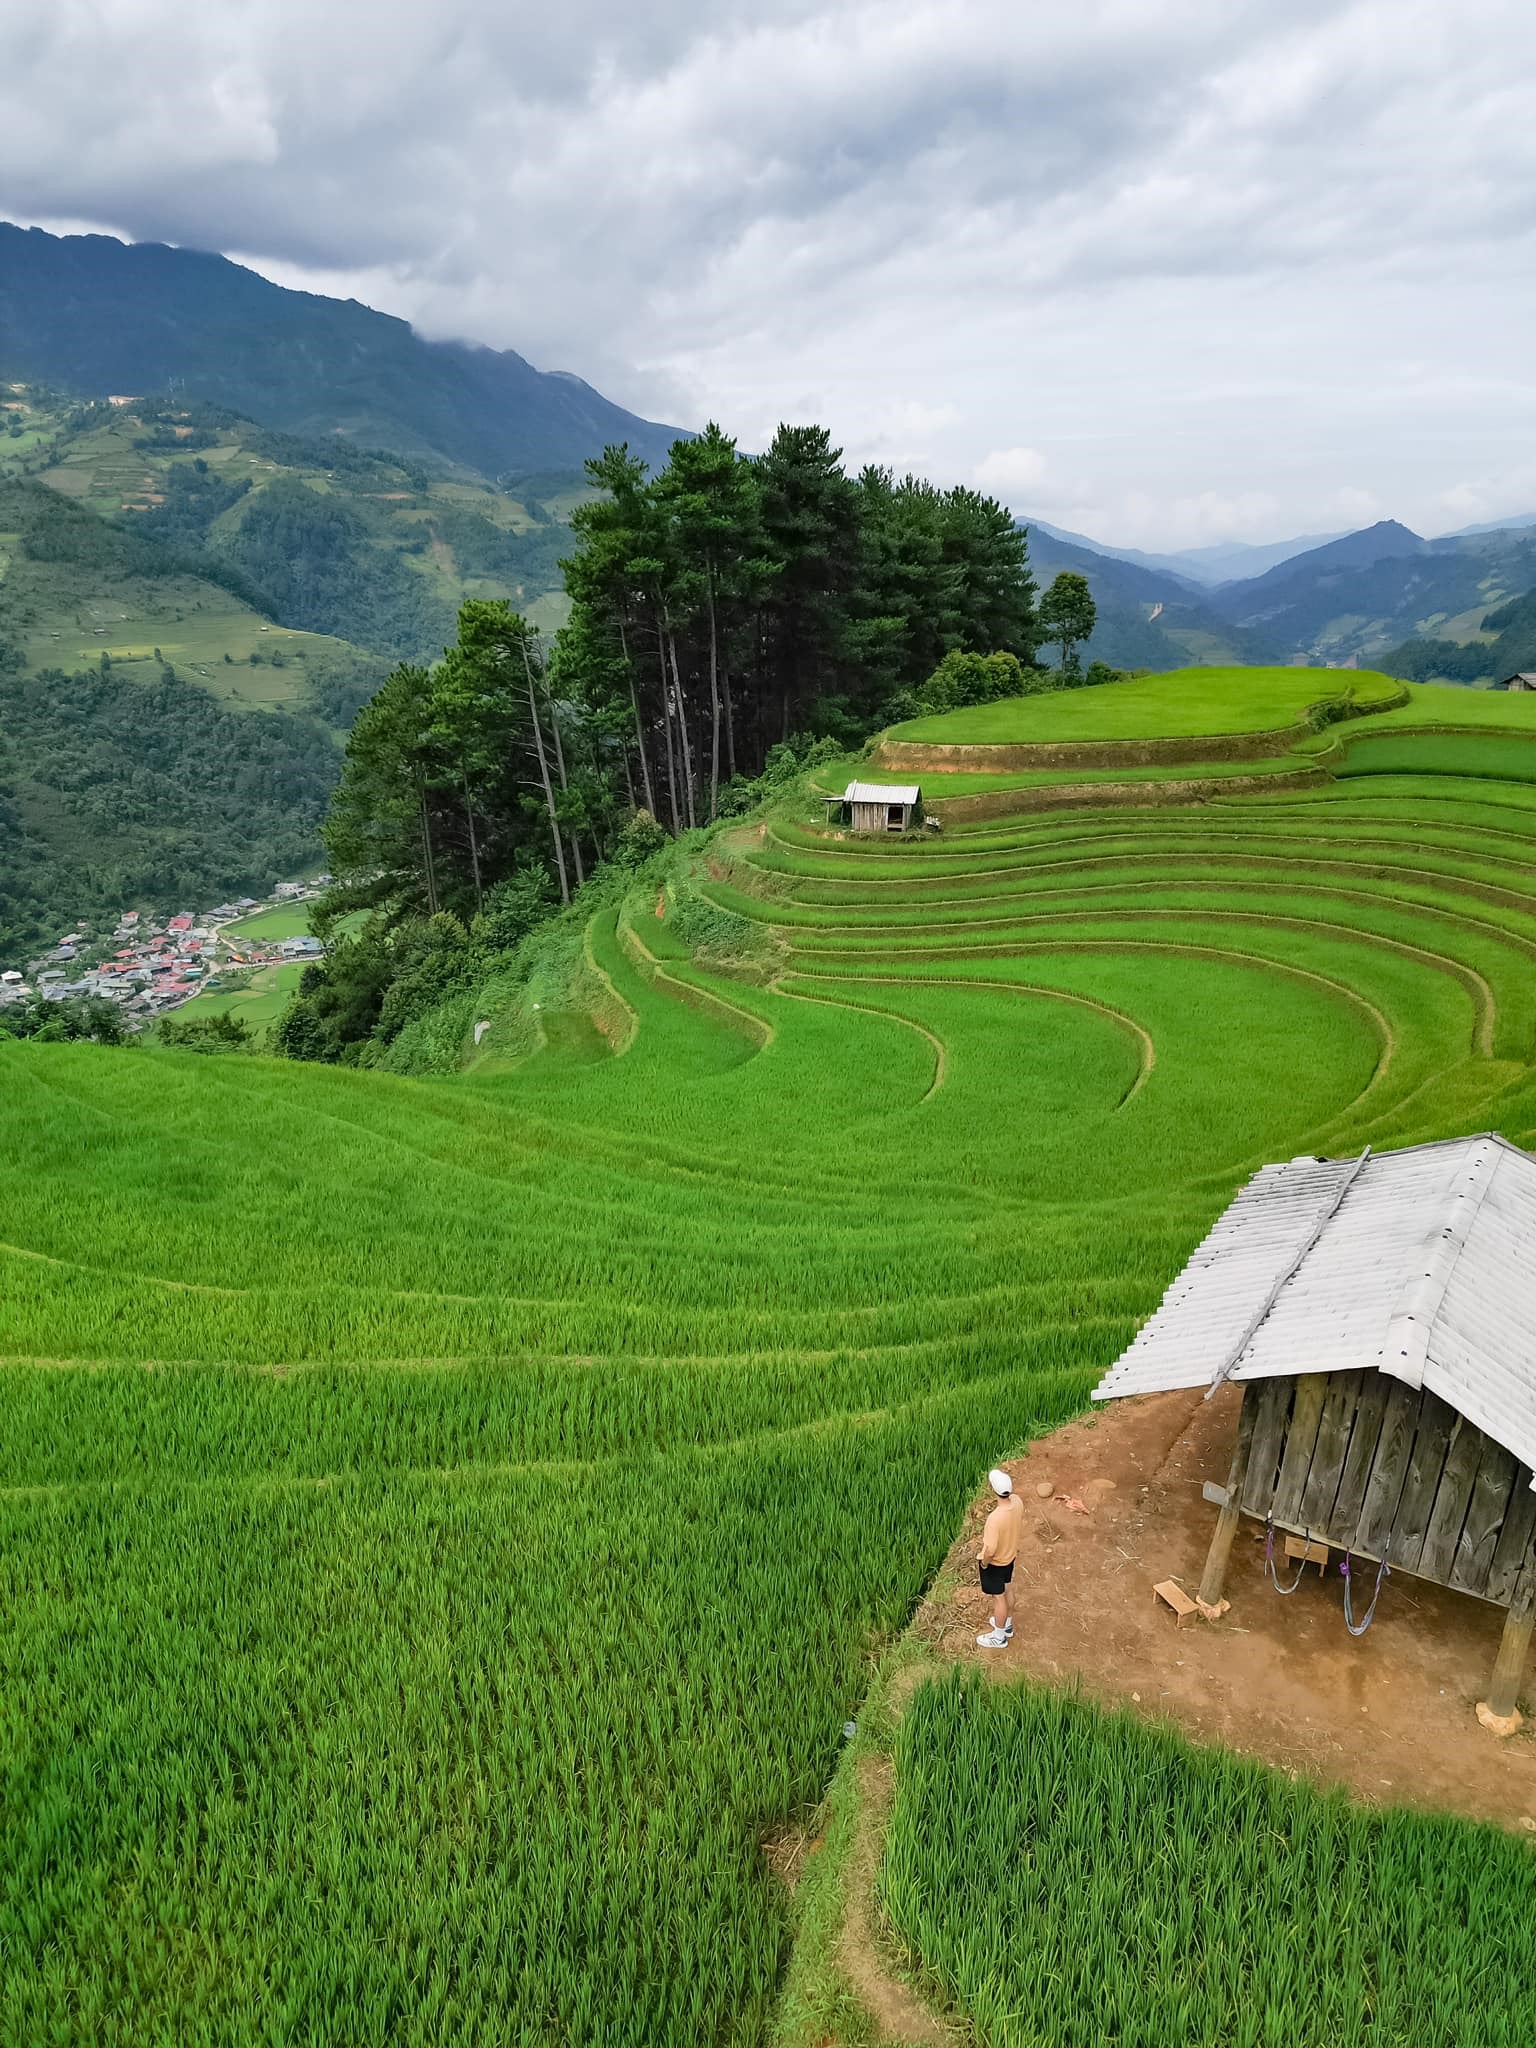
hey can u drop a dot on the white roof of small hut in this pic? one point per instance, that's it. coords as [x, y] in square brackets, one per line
[881, 793]
[1419, 1263]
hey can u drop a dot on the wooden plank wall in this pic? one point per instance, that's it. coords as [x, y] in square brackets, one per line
[1375, 1467]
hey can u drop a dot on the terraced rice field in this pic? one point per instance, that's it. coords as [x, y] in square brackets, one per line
[448, 1524]
[1237, 1908]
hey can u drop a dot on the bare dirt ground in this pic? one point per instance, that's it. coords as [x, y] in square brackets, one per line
[1389, 1715]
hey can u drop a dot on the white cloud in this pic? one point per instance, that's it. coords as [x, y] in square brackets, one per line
[1198, 261]
[1010, 473]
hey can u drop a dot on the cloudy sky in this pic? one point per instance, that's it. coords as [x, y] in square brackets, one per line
[1166, 271]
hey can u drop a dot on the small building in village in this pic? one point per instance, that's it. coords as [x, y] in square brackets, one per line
[1523, 679]
[877, 806]
[1380, 1315]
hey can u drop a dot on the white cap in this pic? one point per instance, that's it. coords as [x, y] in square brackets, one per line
[1001, 1483]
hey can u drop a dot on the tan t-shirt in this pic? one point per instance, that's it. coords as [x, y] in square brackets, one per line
[1000, 1538]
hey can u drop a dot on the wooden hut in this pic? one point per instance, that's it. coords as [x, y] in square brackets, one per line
[877, 806]
[1380, 1314]
[1524, 679]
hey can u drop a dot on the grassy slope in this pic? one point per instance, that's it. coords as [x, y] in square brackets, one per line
[1262, 1914]
[283, 921]
[66, 618]
[707, 1342]
[101, 468]
[259, 1005]
[1194, 702]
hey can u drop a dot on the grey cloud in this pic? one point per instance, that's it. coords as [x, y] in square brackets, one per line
[1100, 232]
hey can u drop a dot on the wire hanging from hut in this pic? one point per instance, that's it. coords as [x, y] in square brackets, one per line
[1383, 1572]
[1269, 1558]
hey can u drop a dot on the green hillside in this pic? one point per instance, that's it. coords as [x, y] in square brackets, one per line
[75, 588]
[193, 551]
[449, 1523]
[132, 768]
[329, 538]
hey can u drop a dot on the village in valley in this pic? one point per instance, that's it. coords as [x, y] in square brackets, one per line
[150, 967]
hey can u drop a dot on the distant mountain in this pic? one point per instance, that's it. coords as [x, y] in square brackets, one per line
[1525, 520]
[1147, 618]
[1257, 599]
[101, 317]
[1165, 564]
[1233, 560]
[1374, 589]
[1199, 567]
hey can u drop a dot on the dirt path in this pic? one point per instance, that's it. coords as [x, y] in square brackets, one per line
[1389, 1716]
[898, 2014]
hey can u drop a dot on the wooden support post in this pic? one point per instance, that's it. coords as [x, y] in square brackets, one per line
[1500, 1711]
[1214, 1575]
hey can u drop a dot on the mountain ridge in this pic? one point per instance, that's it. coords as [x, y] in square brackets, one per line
[105, 318]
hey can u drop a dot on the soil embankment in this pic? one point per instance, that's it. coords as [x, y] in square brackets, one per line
[1389, 1715]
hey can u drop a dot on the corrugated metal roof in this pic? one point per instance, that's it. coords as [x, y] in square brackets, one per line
[1425, 1269]
[881, 793]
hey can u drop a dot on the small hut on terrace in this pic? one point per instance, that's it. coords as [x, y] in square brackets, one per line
[1524, 679]
[877, 806]
[1380, 1313]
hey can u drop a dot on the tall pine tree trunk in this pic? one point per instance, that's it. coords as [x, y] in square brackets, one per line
[634, 705]
[573, 838]
[666, 727]
[429, 867]
[730, 722]
[682, 727]
[549, 788]
[474, 844]
[714, 695]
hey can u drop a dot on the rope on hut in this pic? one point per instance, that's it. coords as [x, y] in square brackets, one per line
[1269, 1559]
[1383, 1571]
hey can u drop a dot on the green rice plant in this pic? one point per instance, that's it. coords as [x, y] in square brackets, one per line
[1062, 1874]
[448, 1517]
[1200, 702]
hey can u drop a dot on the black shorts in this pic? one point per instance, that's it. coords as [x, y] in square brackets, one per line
[995, 1578]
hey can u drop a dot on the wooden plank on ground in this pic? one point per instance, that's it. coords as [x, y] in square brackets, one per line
[1389, 1469]
[1173, 1595]
[1426, 1462]
[1491, 1491]
[1274, 1397]
[1333, 1434]
[1300, 1443]
[1359, 1458]
[1514, 1539]
[1449, 1513]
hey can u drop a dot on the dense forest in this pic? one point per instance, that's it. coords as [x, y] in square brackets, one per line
[717, 609]
[54, 531]
[115, 792]
[731, 618]
[1424, 658]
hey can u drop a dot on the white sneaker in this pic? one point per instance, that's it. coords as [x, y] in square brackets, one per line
[1008, 1628]
[992, 1639]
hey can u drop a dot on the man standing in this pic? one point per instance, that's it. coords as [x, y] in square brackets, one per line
[999, 1547]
